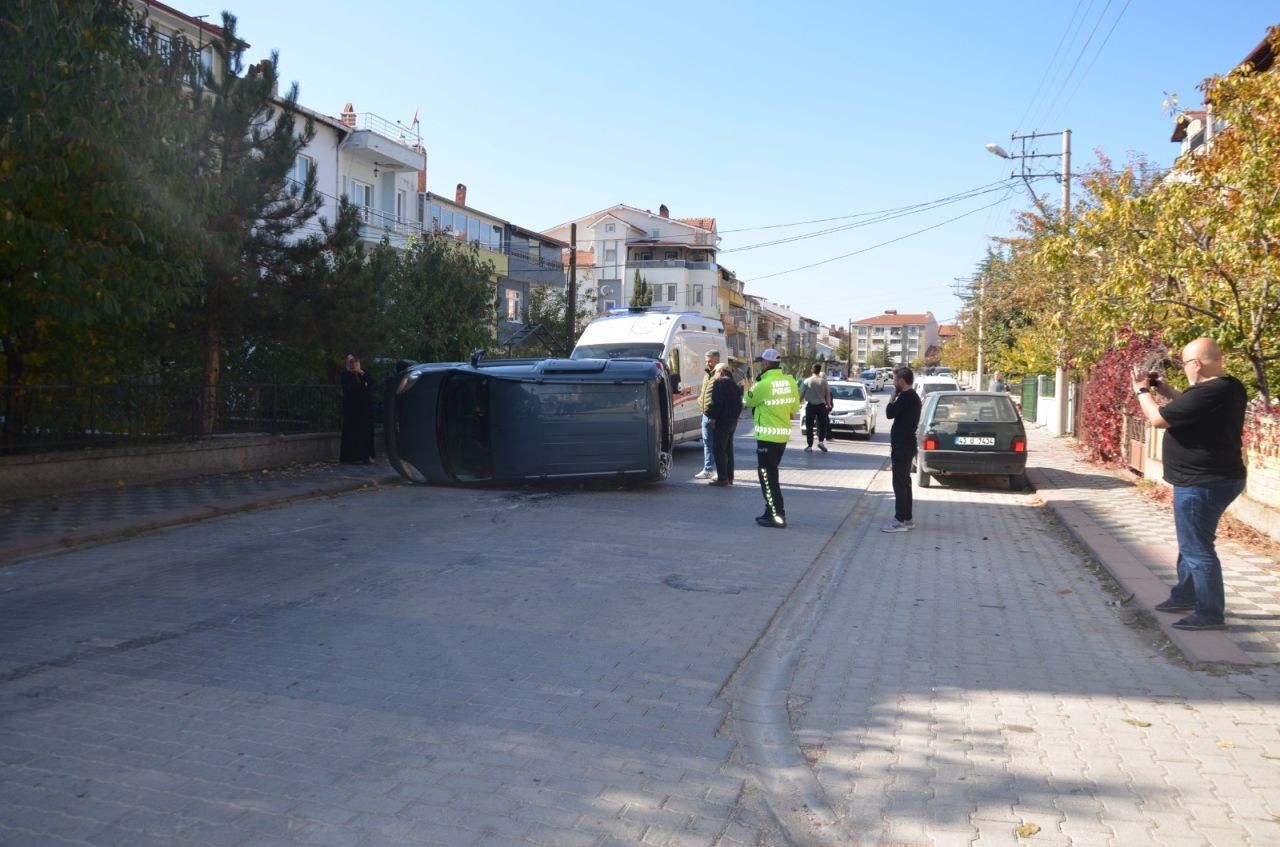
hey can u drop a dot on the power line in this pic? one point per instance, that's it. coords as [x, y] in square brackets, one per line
[863, 214]
[1052, 61]
[1075, 64]
[875, 246]
[914, 210]
[1094, 60]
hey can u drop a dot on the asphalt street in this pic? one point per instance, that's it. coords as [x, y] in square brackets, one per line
[412, 665]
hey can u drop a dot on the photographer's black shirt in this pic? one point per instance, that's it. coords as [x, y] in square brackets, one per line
[1203, 442]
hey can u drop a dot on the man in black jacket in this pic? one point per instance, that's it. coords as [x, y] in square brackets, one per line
[904, 411]
[1204, 462]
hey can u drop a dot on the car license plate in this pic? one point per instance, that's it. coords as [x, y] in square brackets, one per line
[976, 440]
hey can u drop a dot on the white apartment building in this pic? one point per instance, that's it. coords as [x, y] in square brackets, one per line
[904, 338]
[675, 256]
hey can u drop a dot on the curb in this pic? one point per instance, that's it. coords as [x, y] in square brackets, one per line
[106, 533]
[1130, 569]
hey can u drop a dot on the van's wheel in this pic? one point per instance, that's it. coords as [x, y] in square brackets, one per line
[1017, 482]
[924, 478]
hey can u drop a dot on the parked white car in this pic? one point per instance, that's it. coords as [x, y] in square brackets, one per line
[926, 385]
[853, 411]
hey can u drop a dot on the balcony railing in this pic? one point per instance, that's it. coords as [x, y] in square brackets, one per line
[644, 264]
[394, 130]
[380, 222]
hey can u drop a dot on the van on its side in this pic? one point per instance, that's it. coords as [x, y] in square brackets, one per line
[681, 340]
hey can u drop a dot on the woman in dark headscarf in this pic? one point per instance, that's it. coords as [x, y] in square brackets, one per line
[357, 414]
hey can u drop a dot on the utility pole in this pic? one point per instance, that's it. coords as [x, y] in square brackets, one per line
[571, 300]
[849, 375]
[1062, 424]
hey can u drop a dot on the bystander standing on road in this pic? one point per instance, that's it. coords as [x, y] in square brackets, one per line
[1204, 462]
[704, 402]
[725, 409]
[773, 400]
[904, 410]
[816, 395]
[357, 414]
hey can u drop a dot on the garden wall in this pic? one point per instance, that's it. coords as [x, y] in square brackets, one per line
[54, 473]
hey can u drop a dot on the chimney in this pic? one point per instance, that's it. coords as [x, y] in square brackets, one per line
[662, 211]
[891, 311]
[422, 179]
[348, 115]
[461, 196]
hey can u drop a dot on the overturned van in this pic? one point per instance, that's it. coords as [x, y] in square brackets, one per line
[522, 420]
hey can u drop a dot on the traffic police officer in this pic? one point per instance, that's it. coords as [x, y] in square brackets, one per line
[772, 400]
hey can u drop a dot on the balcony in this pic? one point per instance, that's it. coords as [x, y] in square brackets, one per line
[389, 145]
[644, 264]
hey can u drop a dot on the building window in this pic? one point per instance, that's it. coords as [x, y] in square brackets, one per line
[610, 227]
[301, 169]
[473, 231]
[671, 293]
[513, 305]
[435, 217]
[361, 195]
[695, 295]
[460, 224]
[611, 256]
[670, 254]
[495, 238]
[400, 204]
[422, 210]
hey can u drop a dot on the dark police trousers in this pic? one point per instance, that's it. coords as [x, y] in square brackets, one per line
[900, 457]
[768, 456]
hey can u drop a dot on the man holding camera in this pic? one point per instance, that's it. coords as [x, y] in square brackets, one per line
[1204, 462]
[904, 410]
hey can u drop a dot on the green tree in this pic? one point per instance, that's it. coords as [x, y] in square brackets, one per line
[250, 211]
[442, 298]
[546, 306]
[641, 293]
[94, 186]
[878, 358]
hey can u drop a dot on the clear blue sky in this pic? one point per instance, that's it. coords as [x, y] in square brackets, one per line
[763, 113]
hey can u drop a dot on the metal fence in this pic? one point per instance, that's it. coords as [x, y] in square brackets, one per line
[61, 417]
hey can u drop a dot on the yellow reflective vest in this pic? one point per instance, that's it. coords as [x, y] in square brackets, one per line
[773, 400]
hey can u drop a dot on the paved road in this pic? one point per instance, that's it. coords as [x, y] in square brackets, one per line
[411, 665]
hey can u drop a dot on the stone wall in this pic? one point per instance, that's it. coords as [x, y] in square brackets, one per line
[51, 473]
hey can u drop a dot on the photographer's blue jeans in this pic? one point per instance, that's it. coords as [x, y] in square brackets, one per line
[708, 445]
[1196, 512]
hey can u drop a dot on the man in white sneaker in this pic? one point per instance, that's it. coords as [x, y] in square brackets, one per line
[904, 411]
[708, 432]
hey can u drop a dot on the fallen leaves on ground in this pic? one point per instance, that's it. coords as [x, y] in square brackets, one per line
[1225, 744]
[1136, 722]
[1027, 830]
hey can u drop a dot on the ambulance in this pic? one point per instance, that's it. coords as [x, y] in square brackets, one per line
[681, 340]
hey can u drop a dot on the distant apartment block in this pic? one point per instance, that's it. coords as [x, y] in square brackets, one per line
[903, 337]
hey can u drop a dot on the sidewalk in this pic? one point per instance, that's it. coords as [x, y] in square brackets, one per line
[1134, 540]
[35, 525]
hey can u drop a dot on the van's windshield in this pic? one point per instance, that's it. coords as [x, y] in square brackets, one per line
[617, 351]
